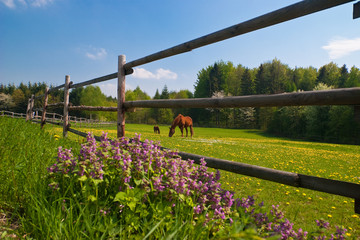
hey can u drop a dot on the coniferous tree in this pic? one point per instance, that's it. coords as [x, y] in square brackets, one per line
[165, 93]
[260, 81]
[344, 74]
[247, 83]
[157, 95]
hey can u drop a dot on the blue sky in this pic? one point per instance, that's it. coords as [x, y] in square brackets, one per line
[44, 40]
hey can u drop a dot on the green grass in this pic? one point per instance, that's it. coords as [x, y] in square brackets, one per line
[20, 178]
[25, 152]
[302, 206]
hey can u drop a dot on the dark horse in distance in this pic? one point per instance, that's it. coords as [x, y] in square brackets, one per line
[182, 121]
[156, 129]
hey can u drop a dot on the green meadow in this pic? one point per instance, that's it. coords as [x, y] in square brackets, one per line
[301, 206]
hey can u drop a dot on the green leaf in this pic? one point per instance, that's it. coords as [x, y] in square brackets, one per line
[182, 197]
[97, 181]
[3, 235]
[138, 181]
[120, 196]
[92, 198]
[82, 178]
[189, 201]
[132, 205]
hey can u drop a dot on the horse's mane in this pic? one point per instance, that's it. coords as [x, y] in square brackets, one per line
[176, 120]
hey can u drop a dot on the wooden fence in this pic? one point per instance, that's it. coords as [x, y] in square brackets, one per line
[350, 96]
[57, 119]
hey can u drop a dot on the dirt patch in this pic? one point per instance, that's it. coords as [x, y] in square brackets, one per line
[7, 228]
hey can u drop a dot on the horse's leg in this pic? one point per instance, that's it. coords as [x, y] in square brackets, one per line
[186, 131]
[191, 130]
[182, 131]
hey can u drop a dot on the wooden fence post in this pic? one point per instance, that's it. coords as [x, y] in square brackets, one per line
[357, 113]
[28, 110]
[43, 116]
[121, 97]
[32, 100]
[66, 106]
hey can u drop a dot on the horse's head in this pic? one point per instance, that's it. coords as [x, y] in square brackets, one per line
[171, 132]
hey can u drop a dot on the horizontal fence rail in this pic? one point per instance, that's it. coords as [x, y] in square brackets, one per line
[348, 96]
[281, 15]
[343, 96]
[93, 108]
[340, 188]
[95, 80]
[12, 114]
[56, 119]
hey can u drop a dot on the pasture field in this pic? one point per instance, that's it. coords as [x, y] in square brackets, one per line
[19, 177]
[301, 206]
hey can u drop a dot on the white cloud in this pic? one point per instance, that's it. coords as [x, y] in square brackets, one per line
[165, 74]
[142, 73]
[341, 47]
[96, 53]
[35, 3]
[8, 3]
[40, 3]
[160, 74]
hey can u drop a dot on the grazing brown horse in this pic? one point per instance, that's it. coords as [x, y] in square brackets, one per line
[156, 129]
[181, 122]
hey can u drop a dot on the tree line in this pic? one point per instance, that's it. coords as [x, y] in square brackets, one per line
[222, 79]
[323, 123]
[15, 98]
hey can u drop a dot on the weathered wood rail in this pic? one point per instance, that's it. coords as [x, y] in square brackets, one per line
[57, 119]
[350, 96]
[347, 96]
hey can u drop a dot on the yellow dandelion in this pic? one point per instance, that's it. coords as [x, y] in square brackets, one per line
[329, 215]
[355, 216]
[345, 201]
[348, 234]
[309, 198]
[287, 203]
[304, 194]
[297, 190]
[320, 198]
